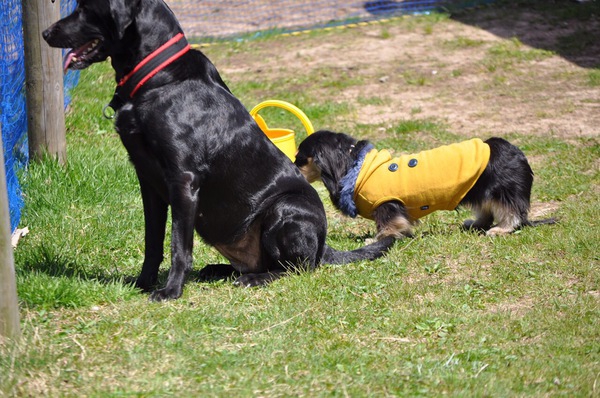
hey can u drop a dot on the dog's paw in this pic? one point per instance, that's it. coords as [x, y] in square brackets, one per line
[165, 294]
[254, 280]
[468, 224]
[473, 225]
[145, 284]
[215, 272]
[498, 231]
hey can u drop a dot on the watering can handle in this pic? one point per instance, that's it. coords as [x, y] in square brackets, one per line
[288, 107]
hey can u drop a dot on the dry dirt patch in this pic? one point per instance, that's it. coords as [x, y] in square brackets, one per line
[443, 70]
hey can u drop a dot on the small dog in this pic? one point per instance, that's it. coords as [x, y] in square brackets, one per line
[493, 178]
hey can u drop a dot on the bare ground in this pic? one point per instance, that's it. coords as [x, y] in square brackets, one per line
[484, 72]
[233, 17]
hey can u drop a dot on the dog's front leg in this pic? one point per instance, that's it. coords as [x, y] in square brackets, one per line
[392, 219]
[155, 217]
[183, 193]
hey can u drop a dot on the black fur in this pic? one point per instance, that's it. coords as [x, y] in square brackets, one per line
[195, 148]
[502, 193]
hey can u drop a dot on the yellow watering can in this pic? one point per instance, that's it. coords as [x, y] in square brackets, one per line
[282, 138]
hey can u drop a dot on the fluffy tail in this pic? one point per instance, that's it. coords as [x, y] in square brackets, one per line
[369, 252]
[535, 223]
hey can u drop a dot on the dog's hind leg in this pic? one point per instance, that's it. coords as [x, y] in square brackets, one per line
[216, 272]
[292, 240]
[506, 185]
[260, 279]
[507, 220]
[484, 217]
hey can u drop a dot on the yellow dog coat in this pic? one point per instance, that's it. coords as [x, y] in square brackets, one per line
[437, 179]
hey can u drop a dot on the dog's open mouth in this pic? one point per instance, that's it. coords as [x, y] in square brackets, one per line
[79, 58]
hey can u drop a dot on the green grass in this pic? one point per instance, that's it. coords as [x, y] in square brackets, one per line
[462, 42]
[575, 43]
[559, 12]
[594, 78]
[445, 313]
[504, 55]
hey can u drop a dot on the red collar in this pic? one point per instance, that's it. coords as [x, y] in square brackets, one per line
[153, 63]
[150, 66]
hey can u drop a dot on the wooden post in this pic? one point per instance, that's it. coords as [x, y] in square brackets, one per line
[9, 306]
[43, 82]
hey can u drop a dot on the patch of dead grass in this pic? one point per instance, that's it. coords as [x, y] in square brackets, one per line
[415, 70]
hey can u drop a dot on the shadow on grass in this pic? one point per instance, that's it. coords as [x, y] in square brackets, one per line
[48, 279]
[48, 261]
[568, 28]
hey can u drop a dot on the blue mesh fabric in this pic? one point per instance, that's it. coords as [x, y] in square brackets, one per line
[13, 116]
[232, 18]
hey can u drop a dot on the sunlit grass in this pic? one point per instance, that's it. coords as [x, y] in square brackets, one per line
[448, 312]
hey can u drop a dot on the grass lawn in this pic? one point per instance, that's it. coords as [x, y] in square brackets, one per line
[446, 313]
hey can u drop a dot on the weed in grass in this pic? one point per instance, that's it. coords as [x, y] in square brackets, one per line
[429, 22]
[416, 110]
[462, 42]
[417, 125]
[323, 114]
[499, 80]
[385, 34]
[338, 78]
[375, 100]
[594, 77]
[434, 268]
[435, 327]
[504, 54]
[415, 78]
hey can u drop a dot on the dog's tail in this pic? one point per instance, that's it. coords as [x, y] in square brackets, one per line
[535, 223]
[369, 252]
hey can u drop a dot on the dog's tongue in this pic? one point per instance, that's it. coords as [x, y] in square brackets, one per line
[67, 60]
[75, 52]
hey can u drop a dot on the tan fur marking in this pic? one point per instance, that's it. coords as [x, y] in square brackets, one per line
[311, 171]
[398, 227]
[507, 220]
[244, 254]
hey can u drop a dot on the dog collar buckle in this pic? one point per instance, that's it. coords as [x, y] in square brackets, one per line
[109, 112]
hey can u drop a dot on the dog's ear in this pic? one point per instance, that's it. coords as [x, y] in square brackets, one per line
[359, 147]
[334, 165]
[123, 12]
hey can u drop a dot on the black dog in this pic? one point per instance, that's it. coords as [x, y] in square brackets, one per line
[493, 178]
[196, 148]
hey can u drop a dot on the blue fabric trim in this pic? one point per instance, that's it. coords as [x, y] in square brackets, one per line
[348, 183]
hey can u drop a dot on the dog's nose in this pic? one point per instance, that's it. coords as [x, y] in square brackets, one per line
[46, 34]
